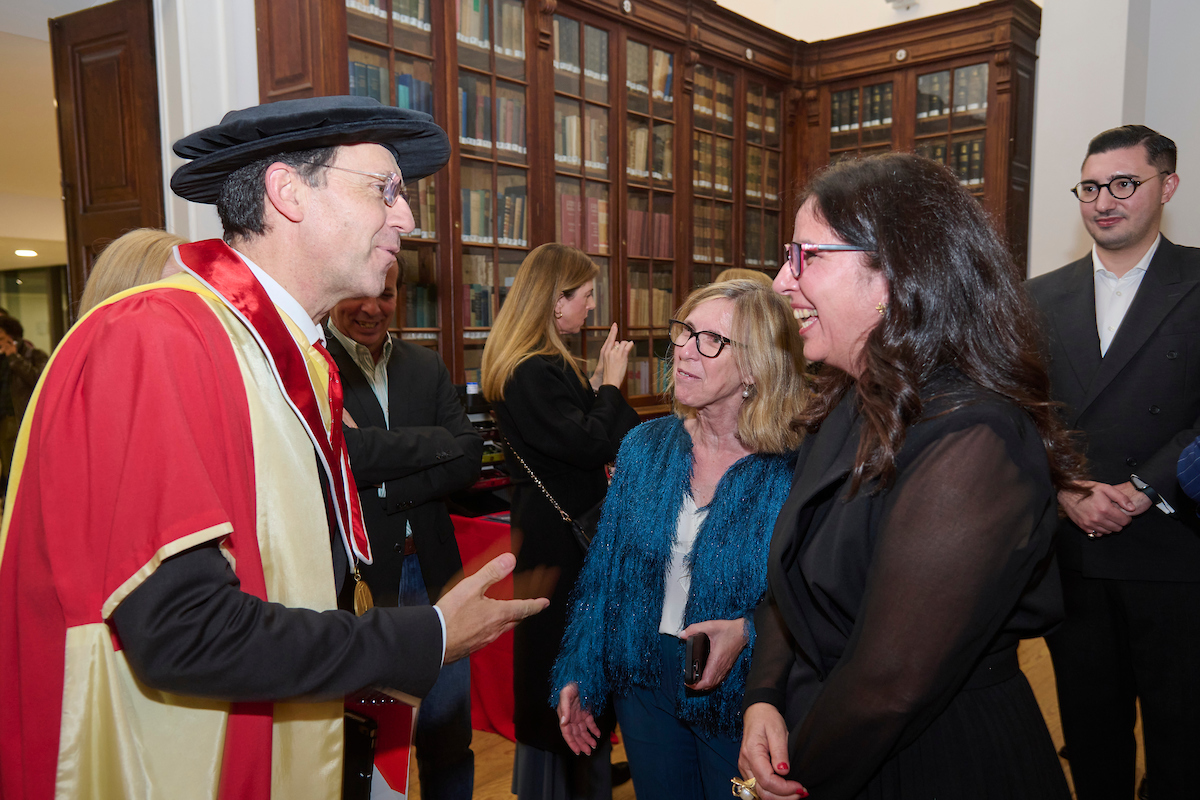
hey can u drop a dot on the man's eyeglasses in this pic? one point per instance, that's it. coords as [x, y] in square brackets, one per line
[1120, 188]
[708, 343]
[793, 253]
[393, 184]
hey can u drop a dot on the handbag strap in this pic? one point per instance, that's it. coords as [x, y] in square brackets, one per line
[566, 517]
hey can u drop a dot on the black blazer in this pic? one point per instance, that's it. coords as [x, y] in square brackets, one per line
[430, 450]
[1136, 408]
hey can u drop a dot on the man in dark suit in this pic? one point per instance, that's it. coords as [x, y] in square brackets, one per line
[1122, 328]
[410, 445]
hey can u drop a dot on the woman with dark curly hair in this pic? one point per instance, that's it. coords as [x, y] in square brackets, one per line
[914, 550]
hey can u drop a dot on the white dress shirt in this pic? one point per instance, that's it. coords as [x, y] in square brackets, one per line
[1114, 295]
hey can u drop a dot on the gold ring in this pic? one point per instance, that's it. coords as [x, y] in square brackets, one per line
[744, 789]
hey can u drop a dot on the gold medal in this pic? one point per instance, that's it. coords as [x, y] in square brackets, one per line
[363, 601]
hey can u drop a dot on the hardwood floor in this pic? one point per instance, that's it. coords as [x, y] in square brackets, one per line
[494, 754]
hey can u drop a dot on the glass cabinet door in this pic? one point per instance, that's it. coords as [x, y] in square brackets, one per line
[951, 121]
[493, 199]
[390, 51]
[650, 178]
[583, 111]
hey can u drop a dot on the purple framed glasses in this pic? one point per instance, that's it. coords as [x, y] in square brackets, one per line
[793, 253]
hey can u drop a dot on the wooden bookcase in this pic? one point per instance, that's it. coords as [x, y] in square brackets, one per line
[957, 87]
[664, 138]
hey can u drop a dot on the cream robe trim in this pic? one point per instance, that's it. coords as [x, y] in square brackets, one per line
[109, 716]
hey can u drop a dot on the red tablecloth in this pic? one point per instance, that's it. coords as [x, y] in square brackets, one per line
[480, 540]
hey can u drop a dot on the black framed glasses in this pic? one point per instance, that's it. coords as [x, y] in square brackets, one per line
[793, 253]
[393, 183]
[1121, 188]
[708, 343]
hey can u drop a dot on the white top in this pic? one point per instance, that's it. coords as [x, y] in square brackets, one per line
[679, 578]
[1114, 295]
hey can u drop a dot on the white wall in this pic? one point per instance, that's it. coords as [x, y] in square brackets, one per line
[1173, 107]
[207, 66]
[1105, 63]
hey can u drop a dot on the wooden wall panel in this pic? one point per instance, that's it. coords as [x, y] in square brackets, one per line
[106, 86]
[301, 48]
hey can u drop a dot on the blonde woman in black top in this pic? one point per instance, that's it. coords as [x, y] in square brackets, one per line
[566, 427]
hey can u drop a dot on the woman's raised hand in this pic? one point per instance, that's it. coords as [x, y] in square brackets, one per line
[598, 376]
[578, 726]
[614, 359]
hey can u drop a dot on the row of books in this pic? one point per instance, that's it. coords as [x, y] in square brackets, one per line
[512, 208]
[420, 305]
[643, 161]
[658, 82]
[414, 93]
[704, 177]
[713, 97]
[876, 106]
[584, 223]
[510, 38]
[475, 113]
[766, 106]
[514, 221]
[413, 13]
[647, 304]
[662, 78]
[566, 46]
[965, 157]
[424, 208]
[970, 91]
[762, 174]
[477, 216]
[567, 147]
[510, 123]
[649, 235]
[477, 291]
[647, 376]
[474, 28]
[368, 80]
[710, 239]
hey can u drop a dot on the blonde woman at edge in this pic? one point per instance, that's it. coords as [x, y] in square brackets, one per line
[143, 255]
[566, 428]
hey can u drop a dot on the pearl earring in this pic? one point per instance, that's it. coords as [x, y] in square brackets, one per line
[746, 391]
[558, 315]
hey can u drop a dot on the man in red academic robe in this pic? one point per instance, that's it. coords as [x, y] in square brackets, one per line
[169, 615]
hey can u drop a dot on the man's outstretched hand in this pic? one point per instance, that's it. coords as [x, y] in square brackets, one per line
[474, 620]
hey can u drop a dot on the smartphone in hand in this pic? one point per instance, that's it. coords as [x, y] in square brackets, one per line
[695, 657]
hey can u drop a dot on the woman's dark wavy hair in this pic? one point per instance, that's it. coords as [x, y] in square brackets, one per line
[954, 302]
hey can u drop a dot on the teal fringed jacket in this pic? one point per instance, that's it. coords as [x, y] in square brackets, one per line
[611, 642]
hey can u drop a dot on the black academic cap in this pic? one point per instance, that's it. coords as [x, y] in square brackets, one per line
[245, 136]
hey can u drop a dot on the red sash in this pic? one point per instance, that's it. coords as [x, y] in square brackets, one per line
[220, 269]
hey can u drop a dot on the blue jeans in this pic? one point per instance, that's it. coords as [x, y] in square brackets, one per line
[445, 762]
[669, 757]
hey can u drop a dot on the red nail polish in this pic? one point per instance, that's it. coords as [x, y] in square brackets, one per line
[781, 767]
[802, 793]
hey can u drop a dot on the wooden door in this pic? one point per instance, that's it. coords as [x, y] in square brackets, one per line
[106, 87]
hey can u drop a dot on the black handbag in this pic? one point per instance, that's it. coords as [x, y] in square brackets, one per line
[584, 526]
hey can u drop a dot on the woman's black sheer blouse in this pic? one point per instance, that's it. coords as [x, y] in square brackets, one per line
[882, 607]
